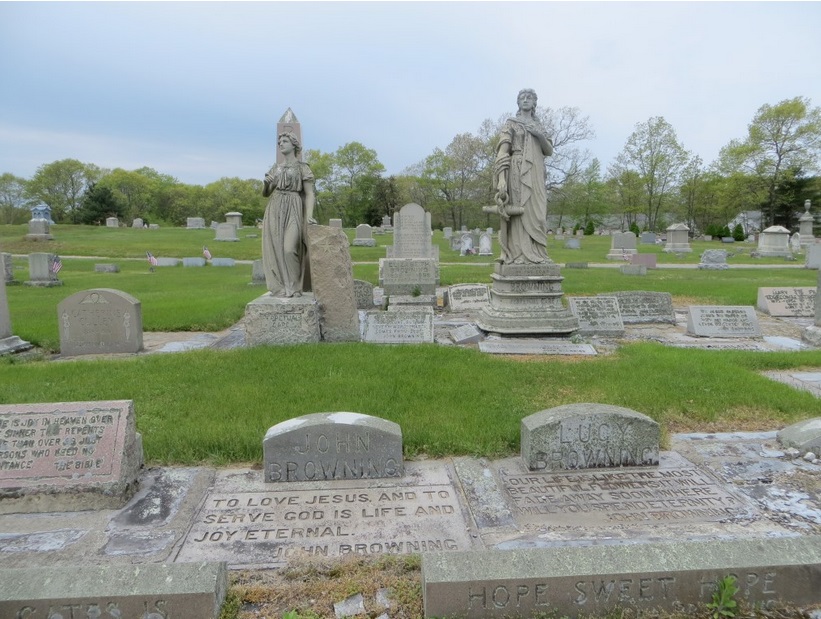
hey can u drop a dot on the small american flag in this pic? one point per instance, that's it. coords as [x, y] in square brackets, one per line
[56, 265]
[151, 259]
[206, 253]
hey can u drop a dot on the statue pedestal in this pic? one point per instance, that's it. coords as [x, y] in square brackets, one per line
[278, 320]
[526, 300]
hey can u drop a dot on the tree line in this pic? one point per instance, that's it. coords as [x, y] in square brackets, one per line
[653, 182]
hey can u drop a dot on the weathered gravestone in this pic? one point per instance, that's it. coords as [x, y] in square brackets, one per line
[137, 223]
[106, 268]
[465, 244]
[153, 226]
[678, 239]
[195, 223]
[485, 245]
[223, 262]
[335, 223]
[194, 261]
[463, 297]
[168, 262]
[588, 436]
[363, 292]
[112, 222]
[524, 346]
[147, 591]
[99, 321]
[633, 269]
[573, 243]
[648, 260]
[39, 230]
[405, 276]
[774, 241]
[332, 283]
[7, 267]
[333, 446]
[9, 343]
[272, 320]
[622, 246]
[68, 456]
[234, 217]
[447, 232]
[812, 259]
[597, 580]
[714, 260]
[804, 436]
[364, 236]
[722, 321]
[798, 302]
[648, 238]
[42, 272]
[597, 315]
[638, 307]
[412, 234]
[226, 232]
[257, 274]
[466, 334]
[402, 326]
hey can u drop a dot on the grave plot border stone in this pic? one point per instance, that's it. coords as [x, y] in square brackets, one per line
[332, 446]
[675, 575]
[68, 456]
[178, 590]
[804, 436]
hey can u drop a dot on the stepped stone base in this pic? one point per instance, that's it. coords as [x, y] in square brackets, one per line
[13, 344]
[526, 300]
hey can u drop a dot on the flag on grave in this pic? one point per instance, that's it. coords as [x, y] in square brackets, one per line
[206, 253]
[56, 265]
[151, 259]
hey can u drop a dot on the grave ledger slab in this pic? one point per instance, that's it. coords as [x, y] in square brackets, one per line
[587, 436]
[574, 581]
[639, 306]
[100, 321]
[332, 446]
[68, 456]
[180, 590]
[9, 343]
[411, 325]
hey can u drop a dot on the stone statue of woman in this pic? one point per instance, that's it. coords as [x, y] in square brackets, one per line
[521, 197]
[290, 186]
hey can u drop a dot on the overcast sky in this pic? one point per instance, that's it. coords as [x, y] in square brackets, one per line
[195, 89]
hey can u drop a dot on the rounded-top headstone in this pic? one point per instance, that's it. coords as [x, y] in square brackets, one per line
[332, 446]
[100, 321]
[804, 435]
[585, 436]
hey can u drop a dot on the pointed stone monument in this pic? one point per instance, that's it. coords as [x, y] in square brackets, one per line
[289, 123]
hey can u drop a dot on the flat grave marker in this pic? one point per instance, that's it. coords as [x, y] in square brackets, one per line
[68, 455]
[722, 321]
[795, 302]
[597, 315]
[522, 346]
[638, 307]
[419, 513]
[402, 326]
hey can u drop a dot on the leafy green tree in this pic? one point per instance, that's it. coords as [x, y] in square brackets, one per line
[14, 206]
[135, 191]
[738, 232]
[781, 139]
[234, 195]
[385, 200]
[99, 203]
[654, 153]
[354, 175]
[628, 194]
[61, 185]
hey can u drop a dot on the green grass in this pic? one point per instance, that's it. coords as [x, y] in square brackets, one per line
[215, 406]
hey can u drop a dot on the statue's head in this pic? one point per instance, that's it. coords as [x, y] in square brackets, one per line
[524, 93]
[291, 138]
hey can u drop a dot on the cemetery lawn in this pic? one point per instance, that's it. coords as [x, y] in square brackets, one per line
[214, 406]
